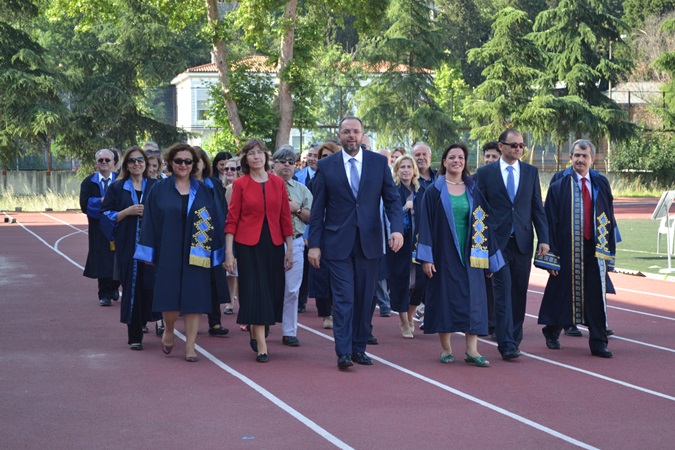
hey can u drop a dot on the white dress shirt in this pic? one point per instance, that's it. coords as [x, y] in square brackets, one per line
[348, 166]
[505, 173]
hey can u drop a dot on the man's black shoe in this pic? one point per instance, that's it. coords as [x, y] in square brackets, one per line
[573, 331]
[372, 340]
[344, 362]
[602, 353]
[362, 358]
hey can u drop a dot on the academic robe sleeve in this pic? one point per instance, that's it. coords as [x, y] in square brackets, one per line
[146, 250]
[109, 209]
[426, 219]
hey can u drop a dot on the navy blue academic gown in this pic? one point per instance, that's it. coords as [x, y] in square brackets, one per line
[182, 266]
[399, 263]
[455, 297]
[121, 195]
[100, 256]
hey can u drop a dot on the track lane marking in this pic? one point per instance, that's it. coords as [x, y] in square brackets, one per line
[258, 388]
[466, 396]
[86, 231]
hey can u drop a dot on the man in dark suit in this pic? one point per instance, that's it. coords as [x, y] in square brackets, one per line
[346, 235]
[512, 189]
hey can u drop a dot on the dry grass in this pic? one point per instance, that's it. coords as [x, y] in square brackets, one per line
[57, 202]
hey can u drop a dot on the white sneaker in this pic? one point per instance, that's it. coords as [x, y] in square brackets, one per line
[328, 323]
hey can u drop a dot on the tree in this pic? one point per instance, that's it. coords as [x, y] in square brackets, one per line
[576, 36]
[400, 103]
[637, 11]
[31, 108]
[513, 63]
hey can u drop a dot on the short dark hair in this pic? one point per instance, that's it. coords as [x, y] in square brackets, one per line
[171, 152]
[125, 159]
[248, 146]
[505, 134]
[465, 150]
[492, 145]
[350, 118]
[220, 156]
[201, 154]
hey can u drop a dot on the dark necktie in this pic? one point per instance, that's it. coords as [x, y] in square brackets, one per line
[105, 185]
[588, 210]
[511, 183]
[354, 177]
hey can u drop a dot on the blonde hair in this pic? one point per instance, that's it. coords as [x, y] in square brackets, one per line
[416, 171]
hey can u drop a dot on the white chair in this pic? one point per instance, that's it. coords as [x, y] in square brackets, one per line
[666, 228]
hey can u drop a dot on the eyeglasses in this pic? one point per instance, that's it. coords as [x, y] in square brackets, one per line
[289, 162]
[104, 160]
[139, 160]
[230, 169]
[515, 145]
[180, 161]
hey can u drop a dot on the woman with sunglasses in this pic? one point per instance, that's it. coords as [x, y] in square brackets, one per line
[218, 165]
[182, 237]
[258, 224]
[122, 211]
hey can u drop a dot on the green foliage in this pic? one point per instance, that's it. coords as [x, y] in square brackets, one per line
[651, 151]
[636, 11]
[512, 64]
[401, 104]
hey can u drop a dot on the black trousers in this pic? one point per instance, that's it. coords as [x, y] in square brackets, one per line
[594, 307]
[107, 288]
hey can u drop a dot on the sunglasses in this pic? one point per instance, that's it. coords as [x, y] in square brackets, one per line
[230, 169]
[104, 160]
[289, 162]
[514, 145]
[180, 161]
[138, 160]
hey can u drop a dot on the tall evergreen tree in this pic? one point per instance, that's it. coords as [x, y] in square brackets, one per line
[512, 64]
[400, 103]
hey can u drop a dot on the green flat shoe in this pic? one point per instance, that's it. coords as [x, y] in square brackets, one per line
[479, 361]
[447, 359]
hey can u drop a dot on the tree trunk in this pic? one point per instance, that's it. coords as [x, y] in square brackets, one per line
[285, 59]
[219, 53]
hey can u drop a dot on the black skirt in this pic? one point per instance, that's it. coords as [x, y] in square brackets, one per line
[262, 280]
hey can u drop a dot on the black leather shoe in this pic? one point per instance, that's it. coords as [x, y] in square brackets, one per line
[511, 354]
[262, 358]
[602, 353]
[573, 331]
[302, 308]
[552, 343]
[372, 340]
[291, 341]
[344, 362]
[609, 332]
[362, 358]
[254, 345]
[105, 302]
[220, 331]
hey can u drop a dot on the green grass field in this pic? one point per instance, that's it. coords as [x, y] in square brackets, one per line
[637, 250]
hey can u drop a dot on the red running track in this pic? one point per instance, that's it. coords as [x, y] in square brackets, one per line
[68, 379]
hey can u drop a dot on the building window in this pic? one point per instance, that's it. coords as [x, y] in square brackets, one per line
[202, 110]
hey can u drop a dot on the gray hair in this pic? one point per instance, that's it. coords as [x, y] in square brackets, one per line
[583, 144]
[287, 147]
[284, 153]
[421, 144]
[110, 152]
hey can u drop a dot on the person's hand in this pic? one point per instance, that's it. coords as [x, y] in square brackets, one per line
[314, 257]
[293, 205]
[488, 275]
[288, 259]
[396, 241]
[552, 272]
[135, 210]
[542, 249]
[230, 263]
[408, 205]
[429, 269]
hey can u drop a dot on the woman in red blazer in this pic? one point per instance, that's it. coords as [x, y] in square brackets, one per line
[258, 223]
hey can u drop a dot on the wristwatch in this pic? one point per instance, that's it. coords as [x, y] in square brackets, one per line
[298, 212]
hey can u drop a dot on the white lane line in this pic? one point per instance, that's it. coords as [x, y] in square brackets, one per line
[67, 258]
[264, 392]
[56, 244]
[65, 223]
[619, 338]
[623, 309]
[271, 397]
[468, 397]
[669, 297]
